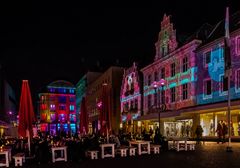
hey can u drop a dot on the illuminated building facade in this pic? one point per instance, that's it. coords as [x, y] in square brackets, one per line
[58, 108]
[110, 79]
[131, 99]
[212, 90]
[176, 64]
[81, 89]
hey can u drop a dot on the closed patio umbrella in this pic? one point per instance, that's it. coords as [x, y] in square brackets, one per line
[83, 117]
[26, 113]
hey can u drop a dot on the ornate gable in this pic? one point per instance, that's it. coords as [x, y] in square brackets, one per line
[166, 38]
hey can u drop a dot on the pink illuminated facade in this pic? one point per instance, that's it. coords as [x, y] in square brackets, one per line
[177, 66]
[131, 99]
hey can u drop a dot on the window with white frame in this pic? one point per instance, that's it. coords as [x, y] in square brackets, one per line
[224, 83]
[207, 87]
[185, 64]
[207, 58]
[185, 91]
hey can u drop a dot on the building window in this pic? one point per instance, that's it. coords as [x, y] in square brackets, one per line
[163, 73]
[173, 69]
[149, 80]
[208, 87]
[62, 99]
[173, 94]
[155, 76]
[185, 64]
[149, 101]
[207, 57]
[131, 105]
[62, 107]
[238, 45]
[155, 99]
[136, 103]
[71, 99]
[43, 107]
[71, 108]
[223, 85]
[185, 91]
[238, 79]
[71, 90]
[163, 96]
[52, 107]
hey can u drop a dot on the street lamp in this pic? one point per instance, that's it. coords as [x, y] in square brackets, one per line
[159, 107]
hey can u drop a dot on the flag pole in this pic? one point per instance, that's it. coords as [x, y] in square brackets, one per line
[227, 68]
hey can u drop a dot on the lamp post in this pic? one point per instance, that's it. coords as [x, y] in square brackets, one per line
[159, 107]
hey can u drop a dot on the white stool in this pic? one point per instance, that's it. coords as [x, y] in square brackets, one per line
[155, 149]
[132, 151]
[93, 154]
[123, 152]
[19, 159]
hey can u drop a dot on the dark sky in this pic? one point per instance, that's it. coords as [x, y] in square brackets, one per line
[47, 42]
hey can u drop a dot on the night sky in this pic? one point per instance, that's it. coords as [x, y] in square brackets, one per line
[47, 42]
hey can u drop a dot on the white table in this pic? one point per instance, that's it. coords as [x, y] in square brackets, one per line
[63, 150]
[178, 143]
[103, 146]
[139, 144]
[6, 153]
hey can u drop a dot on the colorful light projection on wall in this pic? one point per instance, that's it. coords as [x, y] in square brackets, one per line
[216, 66]
[183, 78]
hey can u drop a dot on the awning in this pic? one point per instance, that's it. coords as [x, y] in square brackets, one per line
[154, 116]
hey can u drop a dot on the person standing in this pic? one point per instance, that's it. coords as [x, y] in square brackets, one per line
[199, 132]
[225, 131]
[219, 132]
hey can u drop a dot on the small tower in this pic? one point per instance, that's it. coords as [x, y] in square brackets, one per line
[166, 39]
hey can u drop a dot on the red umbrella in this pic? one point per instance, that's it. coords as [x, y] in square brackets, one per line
[105, 112]
[83, 117]
[26, 113]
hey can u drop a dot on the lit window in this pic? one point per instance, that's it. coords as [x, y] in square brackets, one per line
[71, 107]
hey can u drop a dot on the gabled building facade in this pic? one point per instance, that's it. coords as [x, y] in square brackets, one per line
[131, 99]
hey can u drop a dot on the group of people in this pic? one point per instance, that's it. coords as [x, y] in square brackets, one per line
[222, 131]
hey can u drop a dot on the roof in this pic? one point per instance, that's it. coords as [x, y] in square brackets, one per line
[61, 83]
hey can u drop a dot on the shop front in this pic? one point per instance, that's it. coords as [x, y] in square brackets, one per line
[209, 122]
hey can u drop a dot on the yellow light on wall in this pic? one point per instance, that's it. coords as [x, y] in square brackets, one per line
[139, 123]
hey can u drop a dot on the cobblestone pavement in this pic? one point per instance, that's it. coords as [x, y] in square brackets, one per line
[208, 155]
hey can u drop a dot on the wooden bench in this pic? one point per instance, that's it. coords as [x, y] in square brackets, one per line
[19, 159]
[122, 151]
[93, 154]
[132, 151]
[155, 149]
